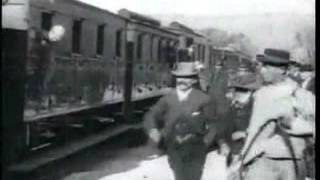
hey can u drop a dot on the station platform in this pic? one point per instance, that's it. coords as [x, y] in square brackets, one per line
[153, 167]
[158, 169]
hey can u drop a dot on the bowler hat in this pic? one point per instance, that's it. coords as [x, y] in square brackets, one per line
[276, 57]
[185, 69]
[246, 81]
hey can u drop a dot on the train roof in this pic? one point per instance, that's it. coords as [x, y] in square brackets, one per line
[81, 3]
[138, 17]
[232, 50]
[144, 20]
[176, 26]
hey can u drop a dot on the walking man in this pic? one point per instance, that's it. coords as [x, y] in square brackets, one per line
[282, 116]
[179, 119]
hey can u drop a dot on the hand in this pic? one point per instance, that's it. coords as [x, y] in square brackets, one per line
[155, 135]
[300, 126]
[233, 172]
[224, 149]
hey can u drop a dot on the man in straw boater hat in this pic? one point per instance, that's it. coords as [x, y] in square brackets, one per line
[282, 120]
[179, 119]
[41, 69]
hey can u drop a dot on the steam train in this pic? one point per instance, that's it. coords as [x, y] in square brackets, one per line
[102, 59]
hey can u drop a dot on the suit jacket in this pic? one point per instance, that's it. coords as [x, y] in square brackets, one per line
[219, 109]
[218, 86]
[164, 114]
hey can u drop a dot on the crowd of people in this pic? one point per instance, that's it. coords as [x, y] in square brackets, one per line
[262, 121]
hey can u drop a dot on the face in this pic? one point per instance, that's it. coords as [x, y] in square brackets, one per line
[184, 84]
[271, 73]
[238, 98]
[241, 98]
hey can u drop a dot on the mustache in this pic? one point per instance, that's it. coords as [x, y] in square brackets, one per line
[182, 83]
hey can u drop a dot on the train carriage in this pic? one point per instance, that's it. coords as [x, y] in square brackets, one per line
[101, 59]
[83, 62]
[51, 78]
[193, 46]
[153, 53]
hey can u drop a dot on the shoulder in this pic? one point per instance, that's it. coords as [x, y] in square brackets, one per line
[168, 97]
[201, 96]
[277, 90]
[199, 93]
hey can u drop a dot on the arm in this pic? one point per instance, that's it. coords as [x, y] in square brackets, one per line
[211, 130]
[154, 117]
[303, 122]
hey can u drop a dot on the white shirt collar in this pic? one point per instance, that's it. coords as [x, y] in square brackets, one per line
[183, 95]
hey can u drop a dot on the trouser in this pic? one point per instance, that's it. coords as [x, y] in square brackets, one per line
[187, 160]
[264, 168]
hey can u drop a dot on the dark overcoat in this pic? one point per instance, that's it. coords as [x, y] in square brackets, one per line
[166, 111]
[177, 118]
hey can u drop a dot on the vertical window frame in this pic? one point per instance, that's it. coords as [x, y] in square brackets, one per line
[44, 24]
[159, 50]
[76, 36]
[139, 46]
[100, 39]
[118, 45]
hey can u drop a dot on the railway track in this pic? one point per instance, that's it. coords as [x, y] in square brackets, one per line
[43, 156]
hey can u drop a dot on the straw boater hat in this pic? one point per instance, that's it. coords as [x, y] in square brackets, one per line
[275, 57]
[56, 33]
[185, 69]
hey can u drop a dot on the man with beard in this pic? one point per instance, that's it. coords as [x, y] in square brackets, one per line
[179, 119]
[241, 92]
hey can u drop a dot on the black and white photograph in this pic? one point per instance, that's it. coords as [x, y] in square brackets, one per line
[158, 89]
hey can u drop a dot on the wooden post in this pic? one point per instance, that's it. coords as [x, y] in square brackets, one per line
[127, 105]
[14, 49]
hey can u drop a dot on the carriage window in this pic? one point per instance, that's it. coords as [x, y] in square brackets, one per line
[76, 36]
[189, 42]
[46, 21]
[203, 53]
[100, 39]
[118, 43]
[139, 46]
[199, 52]
[151, 47]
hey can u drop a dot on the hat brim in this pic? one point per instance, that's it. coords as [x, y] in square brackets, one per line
[179, 74]
[272, 60]
[249, 87]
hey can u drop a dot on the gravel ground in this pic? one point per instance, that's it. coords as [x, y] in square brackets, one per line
[121, 159]
[116, 155]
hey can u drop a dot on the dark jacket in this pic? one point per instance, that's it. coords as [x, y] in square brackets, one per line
[218, 86]
[219, 107]
[166, 112]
